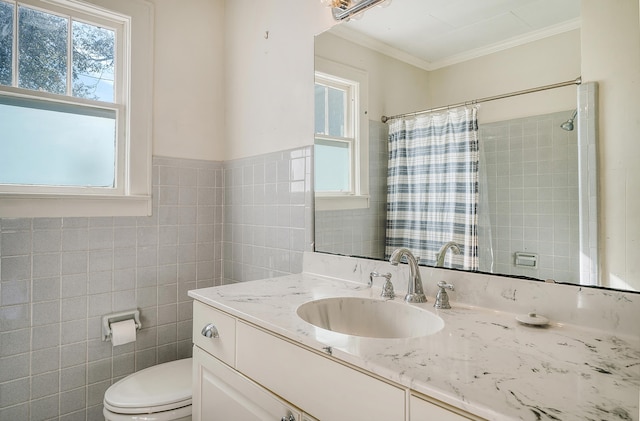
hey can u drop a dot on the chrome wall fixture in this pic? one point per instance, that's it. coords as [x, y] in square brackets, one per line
[119, 317]
[346, 9]
[568, 125]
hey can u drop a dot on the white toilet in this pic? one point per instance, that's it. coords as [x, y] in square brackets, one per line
[158, 393]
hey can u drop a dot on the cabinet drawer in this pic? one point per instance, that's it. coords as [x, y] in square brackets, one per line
[223, 347]
[325, 389]
[423, 410]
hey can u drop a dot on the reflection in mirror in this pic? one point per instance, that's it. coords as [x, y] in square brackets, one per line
[530, 208]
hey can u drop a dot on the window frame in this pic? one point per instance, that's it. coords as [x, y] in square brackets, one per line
[350, 127]
[131, 194]
[334, 74]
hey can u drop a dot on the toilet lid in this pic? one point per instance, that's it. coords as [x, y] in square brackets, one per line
[159, 388]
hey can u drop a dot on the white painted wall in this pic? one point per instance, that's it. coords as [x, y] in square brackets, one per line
[269, 74]
[394, 86]
[611, 56]
[188, 105]
[547, 61]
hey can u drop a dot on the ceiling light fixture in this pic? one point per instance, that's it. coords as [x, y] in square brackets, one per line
[347, 9]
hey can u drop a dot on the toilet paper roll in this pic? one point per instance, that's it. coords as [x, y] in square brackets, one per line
[123, 332]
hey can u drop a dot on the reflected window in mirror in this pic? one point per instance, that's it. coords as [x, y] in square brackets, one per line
[335, 137]
[341, 143]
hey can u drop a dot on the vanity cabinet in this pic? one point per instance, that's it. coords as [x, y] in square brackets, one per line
[221, 393]
[249, 373]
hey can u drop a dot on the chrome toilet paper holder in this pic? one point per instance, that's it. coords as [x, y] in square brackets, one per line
[119, 317]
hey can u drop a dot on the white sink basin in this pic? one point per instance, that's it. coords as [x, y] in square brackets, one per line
[373, 318]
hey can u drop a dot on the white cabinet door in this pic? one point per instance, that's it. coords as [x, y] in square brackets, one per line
[422, 410]
[221, 393]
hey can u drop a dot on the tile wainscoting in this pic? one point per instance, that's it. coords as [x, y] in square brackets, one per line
[212, 222]
[268, 214]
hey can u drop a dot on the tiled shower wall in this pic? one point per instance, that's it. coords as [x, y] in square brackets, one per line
[60, 275]
[360, 232]
[532, 174]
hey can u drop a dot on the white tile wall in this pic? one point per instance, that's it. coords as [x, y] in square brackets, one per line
[58, 276]
[532, 175]
[268, 214]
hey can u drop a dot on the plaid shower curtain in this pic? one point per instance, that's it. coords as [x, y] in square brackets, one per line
[433, 186]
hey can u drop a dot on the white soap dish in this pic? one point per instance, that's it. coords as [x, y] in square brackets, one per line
[532, 319]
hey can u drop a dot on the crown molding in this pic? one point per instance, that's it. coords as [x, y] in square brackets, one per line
[373, 44]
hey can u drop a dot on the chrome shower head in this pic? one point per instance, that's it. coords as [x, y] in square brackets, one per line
[568, 125]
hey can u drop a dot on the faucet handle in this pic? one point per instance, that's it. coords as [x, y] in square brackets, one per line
[387, 288]
[442, 298]
[375, 274]
[443, 284]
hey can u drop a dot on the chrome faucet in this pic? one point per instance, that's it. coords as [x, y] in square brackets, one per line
[415, 294]
[387, 289]
[443, 252]
[442, 298]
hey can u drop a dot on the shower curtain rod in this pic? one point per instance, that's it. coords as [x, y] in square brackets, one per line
[576, 81]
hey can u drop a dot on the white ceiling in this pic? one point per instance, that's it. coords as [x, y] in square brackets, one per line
[436, 33]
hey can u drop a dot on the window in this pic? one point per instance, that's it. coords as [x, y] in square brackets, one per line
[341, 137]
[335, 104]
[71, 126]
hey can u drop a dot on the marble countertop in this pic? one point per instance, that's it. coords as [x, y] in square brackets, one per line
[482, 361]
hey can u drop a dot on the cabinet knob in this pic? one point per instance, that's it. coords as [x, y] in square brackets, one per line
[290, 417]
[210, 331]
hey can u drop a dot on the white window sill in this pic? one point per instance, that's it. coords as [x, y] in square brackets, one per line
[327, 203]
[35, 206]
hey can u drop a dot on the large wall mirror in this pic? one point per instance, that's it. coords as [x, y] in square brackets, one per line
[557, 197]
